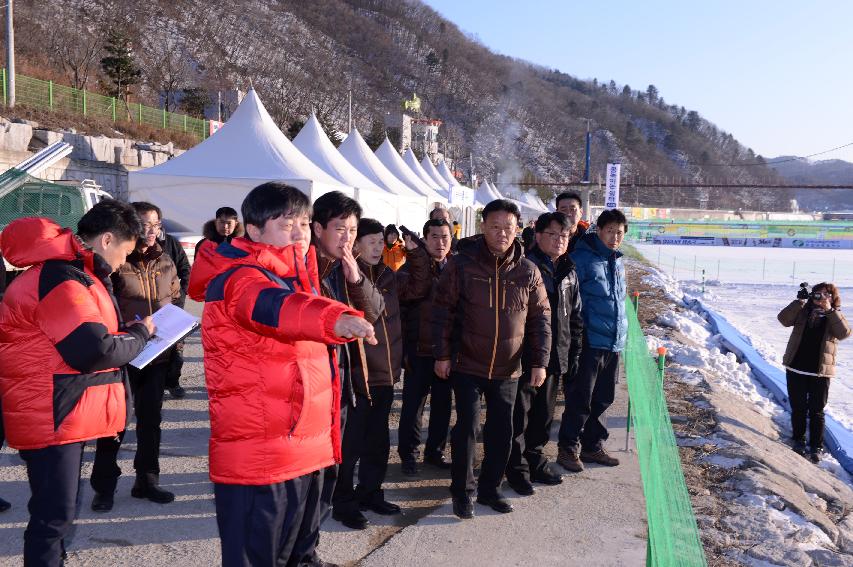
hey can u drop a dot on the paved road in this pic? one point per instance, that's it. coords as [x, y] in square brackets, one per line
[594, 518]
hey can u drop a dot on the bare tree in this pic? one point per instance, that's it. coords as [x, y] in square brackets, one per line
[167, 69]
[74, 48]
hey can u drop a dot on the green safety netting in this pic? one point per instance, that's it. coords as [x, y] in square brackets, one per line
[673, 535]
[22, 195]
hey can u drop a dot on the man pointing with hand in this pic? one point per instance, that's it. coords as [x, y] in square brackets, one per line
[490, 307]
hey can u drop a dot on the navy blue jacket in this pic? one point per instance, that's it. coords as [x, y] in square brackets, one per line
[601, 276]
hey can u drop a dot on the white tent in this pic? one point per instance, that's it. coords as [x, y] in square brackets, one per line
[444, 172]
[412, 161]
[376, 202]
[483, 196]
[249, 150]
[430, 170]
[412, 210]
[495, 193]
[391, 159]
[533, 201]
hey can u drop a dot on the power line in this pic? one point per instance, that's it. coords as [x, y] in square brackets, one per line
[770, 162]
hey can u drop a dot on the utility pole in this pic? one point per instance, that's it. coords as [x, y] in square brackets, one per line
[349, 121]
[10, 54]
[588, 139]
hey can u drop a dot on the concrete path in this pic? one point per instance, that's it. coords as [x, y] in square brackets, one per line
[593, 518]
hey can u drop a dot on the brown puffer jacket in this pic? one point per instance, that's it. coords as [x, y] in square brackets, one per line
[418, 281]
[362, 296]
[796, 315]
[146, 282]
[384, 359]
[486, 308]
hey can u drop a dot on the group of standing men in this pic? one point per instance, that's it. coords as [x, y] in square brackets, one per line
[305, 332]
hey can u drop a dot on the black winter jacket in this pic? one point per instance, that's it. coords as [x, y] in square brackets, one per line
[561, 284]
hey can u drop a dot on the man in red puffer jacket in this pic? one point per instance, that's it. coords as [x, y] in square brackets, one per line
[271, 378]
[62, 349]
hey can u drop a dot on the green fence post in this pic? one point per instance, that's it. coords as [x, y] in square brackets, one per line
[205, 129]
[50, 93]
[139, 105]
[628, 418]
[164, 118]
[114, 109]
[661, 362]
[185, 122]
[84, 103]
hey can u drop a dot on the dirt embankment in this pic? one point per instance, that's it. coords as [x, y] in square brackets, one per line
[756, 500]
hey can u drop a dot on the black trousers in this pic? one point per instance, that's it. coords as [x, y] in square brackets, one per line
[367, 442]
[419, 382]
[54, 477]
[588, 395]
[175, 365]
[808, 396]
[330, 478]
[269, 525]
[497, 433]
[531, 426]
[147, 386]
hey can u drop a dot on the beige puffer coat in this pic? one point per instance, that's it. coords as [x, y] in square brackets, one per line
[837, 329]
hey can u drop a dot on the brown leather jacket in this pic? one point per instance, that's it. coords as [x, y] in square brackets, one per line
[486, 308]
[362, 296]
[146, 282]
[417, 305]
[795, 315]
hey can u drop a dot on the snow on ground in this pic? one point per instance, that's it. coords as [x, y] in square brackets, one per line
[772, 507]
[750, 303]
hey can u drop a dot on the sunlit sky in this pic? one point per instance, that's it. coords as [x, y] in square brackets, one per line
[777, 75]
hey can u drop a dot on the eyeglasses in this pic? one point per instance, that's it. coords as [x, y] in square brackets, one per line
[819, 294]
[156, 226]
[561, 236]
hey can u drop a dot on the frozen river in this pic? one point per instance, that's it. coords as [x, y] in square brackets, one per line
[749, 286]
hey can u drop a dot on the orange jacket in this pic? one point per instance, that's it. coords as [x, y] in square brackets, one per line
[395, 256]
[61, 351]
[271, 377]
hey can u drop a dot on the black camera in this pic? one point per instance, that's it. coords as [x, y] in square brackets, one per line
[804, 291]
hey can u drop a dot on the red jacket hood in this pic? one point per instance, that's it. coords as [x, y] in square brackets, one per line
[287, 261]
[33, 240]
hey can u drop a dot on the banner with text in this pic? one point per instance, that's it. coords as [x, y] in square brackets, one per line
[611, 195]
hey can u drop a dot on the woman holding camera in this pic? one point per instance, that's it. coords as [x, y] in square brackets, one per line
[810, 359]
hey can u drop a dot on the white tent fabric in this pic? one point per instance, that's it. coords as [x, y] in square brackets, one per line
[376, 202]
[249, 150]
[389, 157]
[483, 196]
[533, 201]
[495, 193]
[412, 161]
[444, 171]
[430, 169]
[412, 209]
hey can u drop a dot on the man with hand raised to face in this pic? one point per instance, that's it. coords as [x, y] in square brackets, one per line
[334, 227]
[491, 304]
[272, 380]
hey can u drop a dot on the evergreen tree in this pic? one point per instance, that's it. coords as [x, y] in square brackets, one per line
[194, 100]
[652, 94]
[693, 121]
[294, 128]
[119, 64]
[376, 135]
[626, 91]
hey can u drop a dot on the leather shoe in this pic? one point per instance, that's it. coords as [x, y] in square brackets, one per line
[601, 457]
[102, 502]
[354, 520]
[437, 460]
[569, 460]
[497, 503]
[522, 487]
[463, 507]
[381, 507]
[4, 505]
[178, 392]
[147, 486]
[410, 468]
[546, 475]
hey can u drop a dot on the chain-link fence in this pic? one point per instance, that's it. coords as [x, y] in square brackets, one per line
[48, 95]
[673, 534]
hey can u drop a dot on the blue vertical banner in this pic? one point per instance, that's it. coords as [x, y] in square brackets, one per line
[611, 194]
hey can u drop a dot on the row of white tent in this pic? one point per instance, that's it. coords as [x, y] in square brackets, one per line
[250, 149]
